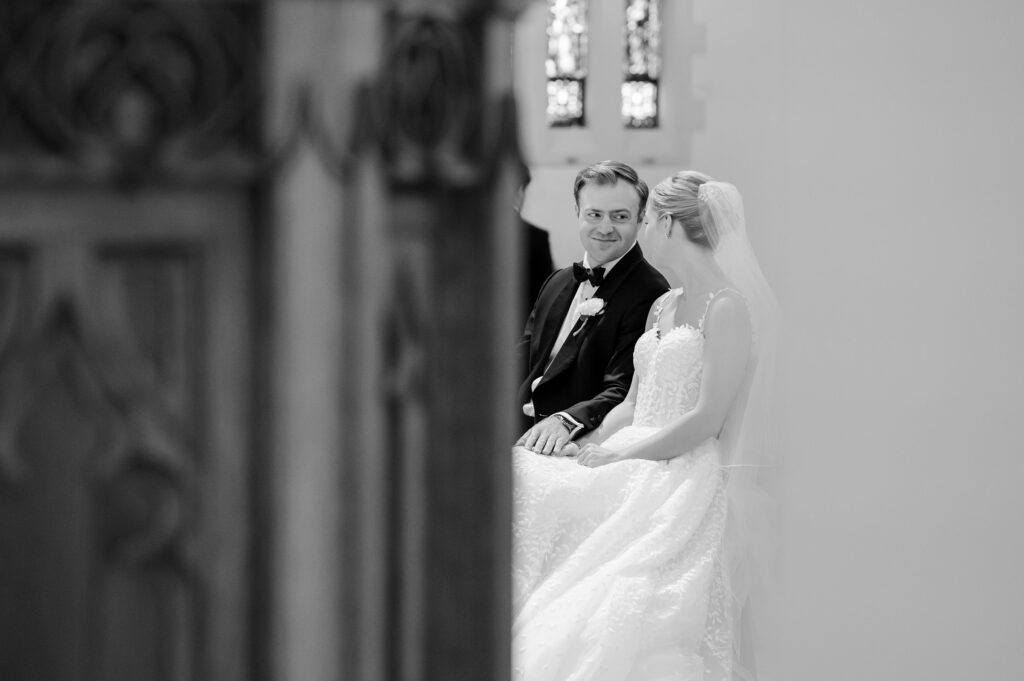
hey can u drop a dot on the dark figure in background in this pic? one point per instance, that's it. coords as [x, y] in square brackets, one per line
[537, 246]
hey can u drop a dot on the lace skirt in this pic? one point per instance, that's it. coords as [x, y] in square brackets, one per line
[616, 570]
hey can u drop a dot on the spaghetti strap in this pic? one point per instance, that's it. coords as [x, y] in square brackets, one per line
[659, 306]
[707, 306]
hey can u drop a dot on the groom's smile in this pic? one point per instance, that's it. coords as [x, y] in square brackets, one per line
[609, 217]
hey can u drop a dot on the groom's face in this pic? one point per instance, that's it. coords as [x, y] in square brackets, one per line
[609, 219]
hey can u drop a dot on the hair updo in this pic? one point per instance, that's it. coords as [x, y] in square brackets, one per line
[676, 197]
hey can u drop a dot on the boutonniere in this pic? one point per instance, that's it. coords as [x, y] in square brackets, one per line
[589, 309]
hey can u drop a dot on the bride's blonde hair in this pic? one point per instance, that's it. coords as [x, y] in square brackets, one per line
[676, 197]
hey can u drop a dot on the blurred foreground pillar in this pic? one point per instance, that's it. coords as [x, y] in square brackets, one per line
[129, 151]
[395, 257]
[258, 279]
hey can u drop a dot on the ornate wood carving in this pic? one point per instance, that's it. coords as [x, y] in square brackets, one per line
[101, 494]
[429, 114]
[123, 515]
[129, 89]
[124, 359]
[439, 146]
[14, 302]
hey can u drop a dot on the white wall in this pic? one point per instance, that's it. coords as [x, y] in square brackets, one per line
[878, 146]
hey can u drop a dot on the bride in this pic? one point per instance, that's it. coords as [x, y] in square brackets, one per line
[631, 553]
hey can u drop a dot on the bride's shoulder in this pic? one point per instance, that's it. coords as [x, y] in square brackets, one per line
[727, 293]
[727, 310]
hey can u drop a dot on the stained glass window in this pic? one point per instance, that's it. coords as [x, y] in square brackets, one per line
[643, 64]
[566, 61]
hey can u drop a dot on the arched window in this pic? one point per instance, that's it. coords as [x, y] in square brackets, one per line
[566, 62]
[603, 80]
[643, 64]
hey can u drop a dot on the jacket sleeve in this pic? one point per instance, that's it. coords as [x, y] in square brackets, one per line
[522, 349]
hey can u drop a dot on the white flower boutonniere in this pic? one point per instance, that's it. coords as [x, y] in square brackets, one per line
[591, 307]
[588, 309]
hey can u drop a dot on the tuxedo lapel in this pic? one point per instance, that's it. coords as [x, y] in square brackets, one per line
[553, 320]
[570, 348]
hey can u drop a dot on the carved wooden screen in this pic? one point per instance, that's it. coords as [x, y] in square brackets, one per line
[123, 449]
[127, 137]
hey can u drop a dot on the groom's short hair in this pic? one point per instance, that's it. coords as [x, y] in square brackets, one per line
[610, 172]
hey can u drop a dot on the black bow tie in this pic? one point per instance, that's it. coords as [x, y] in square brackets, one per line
[581, 274]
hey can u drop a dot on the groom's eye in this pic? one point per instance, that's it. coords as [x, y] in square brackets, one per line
[621, 217]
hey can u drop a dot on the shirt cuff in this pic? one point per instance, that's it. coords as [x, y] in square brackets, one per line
[572, 431]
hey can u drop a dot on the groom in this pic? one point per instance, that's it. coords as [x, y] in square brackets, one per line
[577, 347]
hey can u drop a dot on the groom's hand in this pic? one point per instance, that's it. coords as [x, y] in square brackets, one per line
[548, 436]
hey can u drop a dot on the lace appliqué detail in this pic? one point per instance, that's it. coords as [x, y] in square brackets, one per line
[669, 370]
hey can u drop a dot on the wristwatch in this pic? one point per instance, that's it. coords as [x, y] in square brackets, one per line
[565, 421]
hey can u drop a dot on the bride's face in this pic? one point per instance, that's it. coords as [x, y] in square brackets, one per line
[652, 236]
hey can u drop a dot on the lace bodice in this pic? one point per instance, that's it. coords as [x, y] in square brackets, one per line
[669, 370]
[669, 367]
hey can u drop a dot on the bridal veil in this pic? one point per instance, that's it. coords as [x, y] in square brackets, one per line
[750, 453]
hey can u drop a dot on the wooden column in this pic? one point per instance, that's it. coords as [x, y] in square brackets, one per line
[395, 268]
[431, 288]
[129, 150]
[319, 53]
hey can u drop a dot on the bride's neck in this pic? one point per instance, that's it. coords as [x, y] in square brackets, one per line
[695, 271]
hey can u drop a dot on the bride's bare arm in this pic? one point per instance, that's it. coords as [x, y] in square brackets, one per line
[726, 352]
[620, 416]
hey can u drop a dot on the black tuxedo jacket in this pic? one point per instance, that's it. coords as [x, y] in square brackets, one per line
[593, 369]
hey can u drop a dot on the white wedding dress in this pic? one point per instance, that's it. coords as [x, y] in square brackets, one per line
[617, 571]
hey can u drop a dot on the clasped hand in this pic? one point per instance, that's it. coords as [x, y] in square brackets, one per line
[550, 438]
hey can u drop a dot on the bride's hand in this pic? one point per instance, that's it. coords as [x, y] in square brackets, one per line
[570, 449]
[595, 455]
